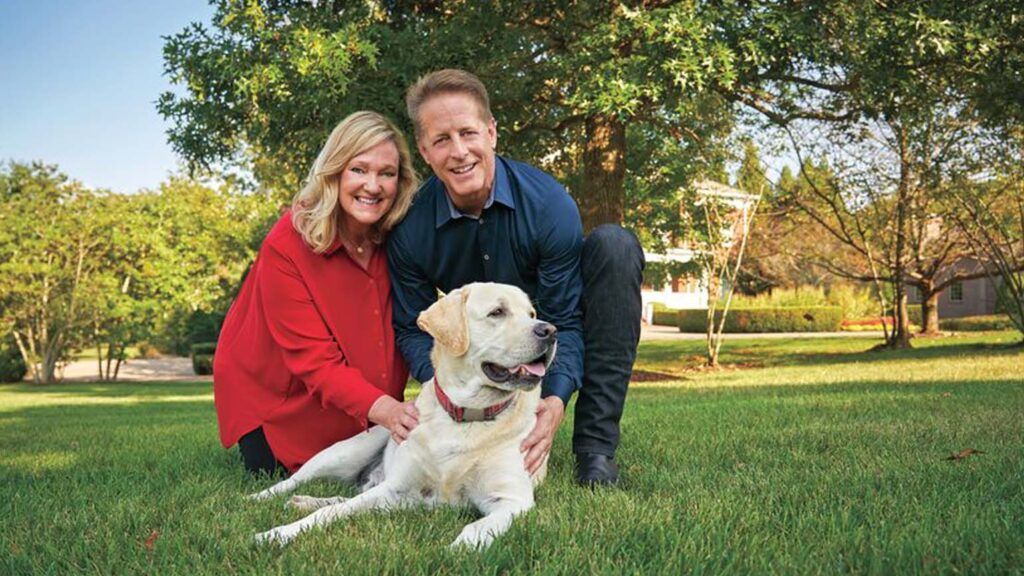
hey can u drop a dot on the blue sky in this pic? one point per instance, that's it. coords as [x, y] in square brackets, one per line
[78, 82]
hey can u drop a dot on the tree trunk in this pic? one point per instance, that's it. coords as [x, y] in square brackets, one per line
[712, 334]
[49, 367]
[604, 172]
[901, 329]
[901, 335]
[929, 310]
[99, 355]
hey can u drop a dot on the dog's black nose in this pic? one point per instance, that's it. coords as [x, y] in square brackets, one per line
[544, 331]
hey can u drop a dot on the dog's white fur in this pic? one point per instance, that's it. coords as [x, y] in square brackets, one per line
[443, 461]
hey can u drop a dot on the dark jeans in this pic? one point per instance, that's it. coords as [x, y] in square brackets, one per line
[256, 454]
[612, 265]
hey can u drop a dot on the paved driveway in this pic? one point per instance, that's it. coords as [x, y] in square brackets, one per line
[138, 370]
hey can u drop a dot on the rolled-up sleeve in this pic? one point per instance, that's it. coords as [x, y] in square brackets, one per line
[310, 351]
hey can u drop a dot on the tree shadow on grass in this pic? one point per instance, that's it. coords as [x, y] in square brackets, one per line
[951, 390]
[944, 351]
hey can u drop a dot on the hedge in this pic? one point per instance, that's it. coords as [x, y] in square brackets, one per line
[665, 316]
[202, 358]
[750, 320]
[977, 323]
[202, 364]
[204, 348]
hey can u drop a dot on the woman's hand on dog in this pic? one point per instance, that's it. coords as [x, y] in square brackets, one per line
[537, 445]
[398, 417]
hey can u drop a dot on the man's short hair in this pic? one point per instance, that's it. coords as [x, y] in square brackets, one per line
[447, 81]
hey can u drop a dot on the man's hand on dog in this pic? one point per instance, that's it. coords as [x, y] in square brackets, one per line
[537, 445]
[398, 417]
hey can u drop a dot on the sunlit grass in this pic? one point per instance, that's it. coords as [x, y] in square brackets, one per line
[815, 456]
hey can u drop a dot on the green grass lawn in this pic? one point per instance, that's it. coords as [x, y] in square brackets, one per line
[814, 456]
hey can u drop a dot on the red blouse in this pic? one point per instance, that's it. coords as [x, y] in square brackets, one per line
[306, 348]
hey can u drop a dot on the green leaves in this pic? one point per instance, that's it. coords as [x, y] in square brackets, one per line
[81, 268]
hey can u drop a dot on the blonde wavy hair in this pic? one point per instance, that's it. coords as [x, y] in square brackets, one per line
[315, 209]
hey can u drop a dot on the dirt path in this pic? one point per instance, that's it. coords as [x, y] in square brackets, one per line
[137, 370]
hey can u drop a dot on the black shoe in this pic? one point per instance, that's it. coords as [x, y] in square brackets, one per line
[596, 470]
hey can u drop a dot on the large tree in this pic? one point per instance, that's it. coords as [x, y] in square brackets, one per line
[51, 237]
[885, 82]
[92, 269]
[575, 85]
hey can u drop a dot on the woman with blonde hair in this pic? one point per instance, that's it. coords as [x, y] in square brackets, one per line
[306, 355]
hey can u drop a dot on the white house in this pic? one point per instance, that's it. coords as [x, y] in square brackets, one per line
[690, 292]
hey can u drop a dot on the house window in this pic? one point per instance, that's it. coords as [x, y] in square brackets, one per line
[956, 292]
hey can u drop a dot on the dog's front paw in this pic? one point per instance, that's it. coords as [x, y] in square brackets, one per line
[260, 496]
[276, 536]
[472, 538]
[311, 503]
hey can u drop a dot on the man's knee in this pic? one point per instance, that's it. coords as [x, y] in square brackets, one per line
[611, 244]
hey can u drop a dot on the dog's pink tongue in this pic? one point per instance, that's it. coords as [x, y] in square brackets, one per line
[537, 368]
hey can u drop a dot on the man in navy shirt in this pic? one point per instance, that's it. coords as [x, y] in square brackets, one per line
[486, 218]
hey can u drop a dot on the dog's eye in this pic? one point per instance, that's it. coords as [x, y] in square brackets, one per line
[533, 314]
[496, 313]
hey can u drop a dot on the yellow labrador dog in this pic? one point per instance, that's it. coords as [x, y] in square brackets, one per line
[490, 353]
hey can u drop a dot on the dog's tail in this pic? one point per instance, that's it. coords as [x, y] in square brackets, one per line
[346, 460]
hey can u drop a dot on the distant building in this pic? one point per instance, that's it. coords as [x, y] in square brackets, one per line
[690, 292]
[976, 297]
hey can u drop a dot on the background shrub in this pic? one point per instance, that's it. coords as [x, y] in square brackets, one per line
[12, 366]
[202, 364]
[182, 328]
[202, 357]
[752, 320]
[665, 316]
[977, 323]
[203, 348]
[855, 300]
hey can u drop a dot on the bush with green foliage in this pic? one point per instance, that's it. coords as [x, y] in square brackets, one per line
[12, 365]
[664, 316]
[977, 323]
[914, 314]
[182, 328]
[751, 320]
[202, 364]
[855, 300]
[204, 348]
[1004, 299]
[202, 357]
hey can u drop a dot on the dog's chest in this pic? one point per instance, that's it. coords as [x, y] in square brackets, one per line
[457, 457]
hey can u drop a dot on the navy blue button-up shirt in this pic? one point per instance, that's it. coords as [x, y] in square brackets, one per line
[529, 236]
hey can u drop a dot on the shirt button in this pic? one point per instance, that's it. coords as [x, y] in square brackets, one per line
[486, 257]
[481, 220]
[376, 312]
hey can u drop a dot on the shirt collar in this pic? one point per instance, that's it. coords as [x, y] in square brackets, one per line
[501, 193]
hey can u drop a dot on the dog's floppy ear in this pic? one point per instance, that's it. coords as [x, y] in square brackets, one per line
[445, 320]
